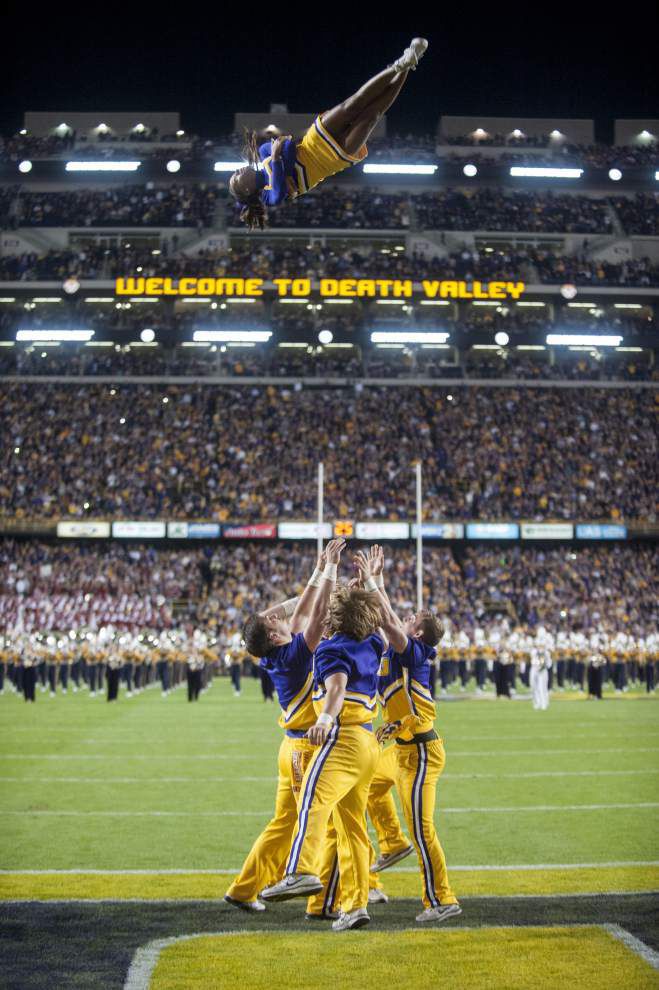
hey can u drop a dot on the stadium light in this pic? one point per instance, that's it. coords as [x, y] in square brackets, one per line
[25, 167]
[531, 172]
[409, 337]
[239, 336]
[501, 338]
[173, 166]
[470, 170]
[615, 174]
[147, 336]
[584, 339]
[325, 336]
[102, 166]
[399, 169]
[42, 335]
[228, 166]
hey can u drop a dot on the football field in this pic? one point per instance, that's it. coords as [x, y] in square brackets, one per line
[122, 825]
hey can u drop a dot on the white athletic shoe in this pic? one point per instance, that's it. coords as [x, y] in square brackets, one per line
[293, 885]
[254, 906]
[440, 913]
[377, 896]
[92, 694]
[383, 862]
[129, 694]
[354, 919]
[411, 56]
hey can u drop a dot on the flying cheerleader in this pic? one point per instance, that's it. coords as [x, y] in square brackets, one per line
[282, 169]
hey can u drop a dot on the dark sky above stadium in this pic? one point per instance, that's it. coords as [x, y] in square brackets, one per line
[501, 60]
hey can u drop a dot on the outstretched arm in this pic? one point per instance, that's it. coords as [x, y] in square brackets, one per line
[305, 601]
[313, 629]
[391, 624]
[335, 685]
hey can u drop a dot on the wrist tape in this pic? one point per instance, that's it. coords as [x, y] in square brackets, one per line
[314, 580]
[370, 584]
[330, 572]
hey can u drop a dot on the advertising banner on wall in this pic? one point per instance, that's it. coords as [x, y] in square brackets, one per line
[492, 531]
[139, 530]
[303, 531]
[258, 531]
[547, 531]
[601, 531]
[440, 531]
[83, 529]
[382, 531]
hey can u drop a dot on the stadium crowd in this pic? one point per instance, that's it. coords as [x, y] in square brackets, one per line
[169, 205]
[195, 204]
[186, 451]
[45, 586]
[268, 261]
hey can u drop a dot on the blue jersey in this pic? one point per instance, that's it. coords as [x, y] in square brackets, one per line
[360, 662]
[283, 178]
[289, 668]
[404, 686]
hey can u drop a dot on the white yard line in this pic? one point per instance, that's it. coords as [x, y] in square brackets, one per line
[516, 867]
[240, 779]
[511, 809]
[494, 754]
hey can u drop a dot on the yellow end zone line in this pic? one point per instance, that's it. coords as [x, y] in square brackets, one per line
[156, 886]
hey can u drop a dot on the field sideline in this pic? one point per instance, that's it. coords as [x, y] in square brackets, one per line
[110, 808]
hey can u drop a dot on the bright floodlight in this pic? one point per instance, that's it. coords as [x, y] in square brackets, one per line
[71, 285]
[501, 338]
[46, 335]
[584, 339]
[400, 169]
[147, 336]
[545, 173]
[239, 336]
[25, 167]
[615, 174]
[180, 133]
[408, 337]
[173, 166]
[470, 170]
[555, 134]
[325, 336]
[228, 166]
[568, 291]
[102, 166]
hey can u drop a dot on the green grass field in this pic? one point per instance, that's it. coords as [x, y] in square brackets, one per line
[558, 803]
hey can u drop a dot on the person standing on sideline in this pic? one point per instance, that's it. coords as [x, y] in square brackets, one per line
[540, 661]
[234, 658]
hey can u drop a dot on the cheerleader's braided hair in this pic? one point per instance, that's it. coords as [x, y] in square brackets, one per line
[253, 213]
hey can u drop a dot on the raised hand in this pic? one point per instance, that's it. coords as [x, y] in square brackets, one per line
[362, 566]
[375, 558]
[334, 549]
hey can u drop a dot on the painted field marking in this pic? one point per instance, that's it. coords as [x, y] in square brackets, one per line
[239, 780]
[645, 805]
[242, 756]
[146, 957]
[396, 869]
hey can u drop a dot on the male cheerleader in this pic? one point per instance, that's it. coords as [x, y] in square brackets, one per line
[284, 637]
[337, 780]
[409, 714]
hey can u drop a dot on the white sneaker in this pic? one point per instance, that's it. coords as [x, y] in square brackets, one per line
[92, 694]
[293, 885]
[255, 906]
[440, 913]
[383, 862]
[411, 56]
[353, 919]
[129, 694]
[377, 896]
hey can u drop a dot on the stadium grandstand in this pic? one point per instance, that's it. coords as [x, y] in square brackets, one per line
[408, 415]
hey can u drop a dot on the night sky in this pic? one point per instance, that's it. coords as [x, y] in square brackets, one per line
[207, 66]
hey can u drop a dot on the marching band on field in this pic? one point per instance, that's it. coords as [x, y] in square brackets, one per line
[495, 654]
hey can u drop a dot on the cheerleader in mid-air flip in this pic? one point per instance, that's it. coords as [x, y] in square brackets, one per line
[336, 140]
